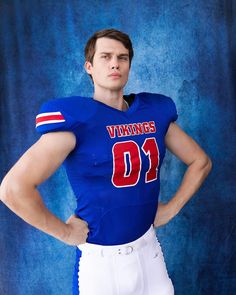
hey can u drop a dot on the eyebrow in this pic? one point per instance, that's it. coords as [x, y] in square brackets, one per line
[122, 54]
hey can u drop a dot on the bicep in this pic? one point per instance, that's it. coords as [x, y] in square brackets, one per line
[43, 158]
[182, 145]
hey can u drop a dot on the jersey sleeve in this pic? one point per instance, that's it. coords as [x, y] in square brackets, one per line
[172, 111]
[53, 117]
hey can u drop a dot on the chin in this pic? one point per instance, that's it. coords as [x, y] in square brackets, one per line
[113, 85]
[116, 88]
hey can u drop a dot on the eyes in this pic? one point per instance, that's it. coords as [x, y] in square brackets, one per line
[107, 57]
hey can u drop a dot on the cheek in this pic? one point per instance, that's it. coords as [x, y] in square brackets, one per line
[126, 74]
[99, 73]
[127, 69]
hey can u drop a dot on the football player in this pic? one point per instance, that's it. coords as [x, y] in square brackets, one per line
[113, 145]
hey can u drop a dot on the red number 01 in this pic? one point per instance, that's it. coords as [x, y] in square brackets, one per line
[121, 177]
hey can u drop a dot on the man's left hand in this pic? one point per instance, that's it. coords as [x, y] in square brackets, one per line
[164, 214]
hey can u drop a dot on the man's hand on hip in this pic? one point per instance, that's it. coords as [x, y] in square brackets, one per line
[77, 231]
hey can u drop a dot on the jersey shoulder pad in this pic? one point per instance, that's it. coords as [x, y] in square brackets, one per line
[56, 115]
[165, 103]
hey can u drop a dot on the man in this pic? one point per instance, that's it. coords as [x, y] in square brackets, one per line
[113, 146]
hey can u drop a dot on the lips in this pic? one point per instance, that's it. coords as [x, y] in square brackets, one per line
[114, 75]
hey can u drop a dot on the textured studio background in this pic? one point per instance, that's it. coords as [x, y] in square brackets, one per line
[183, 49]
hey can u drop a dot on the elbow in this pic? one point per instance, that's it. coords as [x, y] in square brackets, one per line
[209, 165]
[206, 164]
[7, 190]
[10, 189]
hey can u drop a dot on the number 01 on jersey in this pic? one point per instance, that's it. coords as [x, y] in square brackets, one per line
[128, 152]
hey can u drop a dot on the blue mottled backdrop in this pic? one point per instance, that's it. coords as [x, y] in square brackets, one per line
[183, 49]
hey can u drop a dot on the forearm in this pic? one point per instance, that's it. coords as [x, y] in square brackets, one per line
[192, 180]
[27, 203]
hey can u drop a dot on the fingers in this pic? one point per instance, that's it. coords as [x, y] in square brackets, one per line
[78, 230]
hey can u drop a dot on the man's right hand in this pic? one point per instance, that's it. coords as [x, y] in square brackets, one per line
[77, 231]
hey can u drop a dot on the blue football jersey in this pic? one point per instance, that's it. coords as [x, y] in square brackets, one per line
[114, 169]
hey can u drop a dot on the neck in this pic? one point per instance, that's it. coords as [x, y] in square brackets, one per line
[111, 98]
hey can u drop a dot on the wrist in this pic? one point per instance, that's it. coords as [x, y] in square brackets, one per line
[173, 207]
[65, 233]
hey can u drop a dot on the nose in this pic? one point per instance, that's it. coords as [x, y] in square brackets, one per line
[114, 63]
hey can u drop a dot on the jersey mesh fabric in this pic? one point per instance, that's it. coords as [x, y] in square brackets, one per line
[109, 169]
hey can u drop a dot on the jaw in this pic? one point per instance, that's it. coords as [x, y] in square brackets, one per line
[109, 85]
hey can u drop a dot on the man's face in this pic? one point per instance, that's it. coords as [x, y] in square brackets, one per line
[111, 57]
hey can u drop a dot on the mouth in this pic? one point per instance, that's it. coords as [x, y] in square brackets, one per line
[114, 75]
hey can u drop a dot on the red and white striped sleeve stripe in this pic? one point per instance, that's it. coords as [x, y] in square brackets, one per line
[48, 118]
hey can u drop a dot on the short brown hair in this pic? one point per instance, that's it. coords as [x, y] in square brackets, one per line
[89, 50]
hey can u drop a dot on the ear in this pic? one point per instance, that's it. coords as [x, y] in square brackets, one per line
[87, 67]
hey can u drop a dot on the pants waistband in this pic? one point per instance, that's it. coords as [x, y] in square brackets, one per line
[123, 249]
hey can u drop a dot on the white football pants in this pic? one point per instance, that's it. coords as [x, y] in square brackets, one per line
[135, 268]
